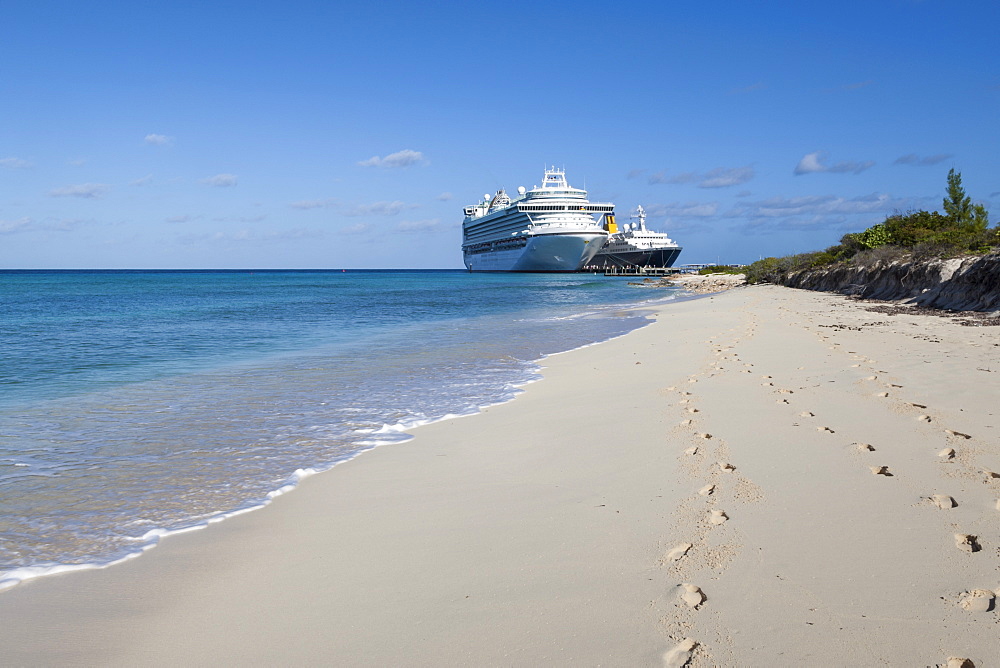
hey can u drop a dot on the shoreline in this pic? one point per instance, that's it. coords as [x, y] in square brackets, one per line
[547, 528]
[152, 538]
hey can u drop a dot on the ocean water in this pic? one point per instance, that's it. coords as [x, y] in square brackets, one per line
[135, 404]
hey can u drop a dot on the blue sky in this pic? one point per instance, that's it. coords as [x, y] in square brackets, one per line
[351, 134]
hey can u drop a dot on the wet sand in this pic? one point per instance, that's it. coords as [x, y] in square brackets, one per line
[765, 476]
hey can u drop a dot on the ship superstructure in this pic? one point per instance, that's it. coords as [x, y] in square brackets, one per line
[552, 227]
[635, 246]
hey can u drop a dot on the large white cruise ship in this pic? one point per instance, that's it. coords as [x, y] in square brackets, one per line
[551, 227]
[634, 246]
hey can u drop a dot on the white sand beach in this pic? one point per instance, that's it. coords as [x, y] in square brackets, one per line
[764, 477]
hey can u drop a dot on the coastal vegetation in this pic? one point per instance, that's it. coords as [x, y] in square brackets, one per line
[963, 229]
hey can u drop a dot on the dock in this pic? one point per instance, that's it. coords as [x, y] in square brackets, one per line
[641, 271]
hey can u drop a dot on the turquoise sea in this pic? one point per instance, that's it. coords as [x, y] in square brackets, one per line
[138, 403]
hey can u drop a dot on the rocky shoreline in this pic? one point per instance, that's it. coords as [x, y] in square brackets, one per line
[955, 284]
[697, 283]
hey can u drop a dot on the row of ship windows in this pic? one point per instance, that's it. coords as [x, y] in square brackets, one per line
[555, 207]
[490, 246]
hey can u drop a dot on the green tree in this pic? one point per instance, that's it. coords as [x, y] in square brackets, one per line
[959, 207]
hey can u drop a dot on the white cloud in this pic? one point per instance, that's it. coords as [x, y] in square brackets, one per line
[682, 178]
[417, 226]
[914, 159]
[314, 203]
[379, 209]
[720, 177]
[84, 190]
[359, 228]
[15, 163]
[403, 158]
[444, 197]
[685, 210]
[148, 178]
[812, 163]
[12, 226]
[240, 219]
[158, 140]
[780, 207]
[724, 178]
[250, 237]
[220, 180]
[180, 219]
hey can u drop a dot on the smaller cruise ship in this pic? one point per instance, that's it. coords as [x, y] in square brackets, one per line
[635, 246]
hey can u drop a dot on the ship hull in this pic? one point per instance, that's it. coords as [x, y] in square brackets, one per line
[653, 258]
[541, 253]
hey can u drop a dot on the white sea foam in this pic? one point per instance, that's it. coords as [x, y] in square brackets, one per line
[302, 411]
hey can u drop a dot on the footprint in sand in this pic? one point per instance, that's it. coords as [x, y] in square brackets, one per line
[924, 418]
[685, 423]
[947, 454]
[707, 490]
[943, 501]
[786, 392]
[958, 434]
[826, 429]
[978, 600]
[705, 436]
[959, 662]
[693, 410]
[693, 596]
[882, 394]
[990, 474]
[967, 542]
[781, 401]
[717, 517]
[678, 552]
[865, 447]
[806, 414]
[679, 655]
[691, 451]
[880, 470]
[726, 466]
